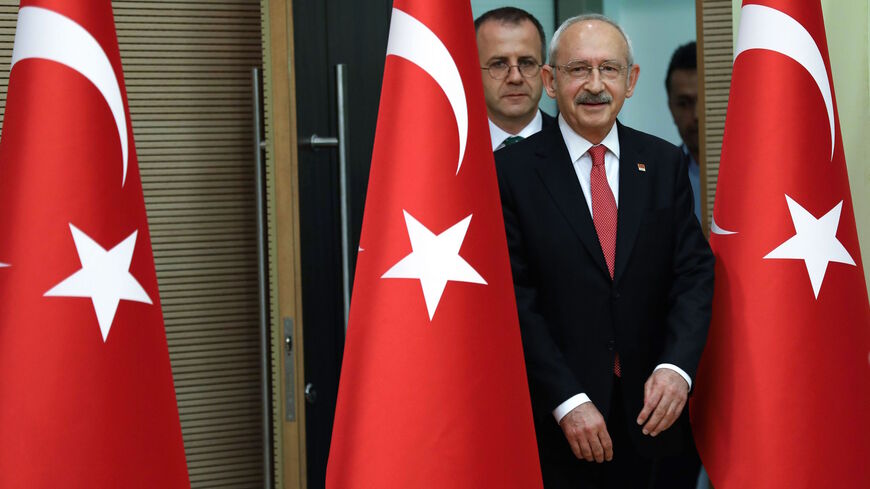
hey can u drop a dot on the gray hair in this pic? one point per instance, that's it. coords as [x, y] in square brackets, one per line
[554, 43]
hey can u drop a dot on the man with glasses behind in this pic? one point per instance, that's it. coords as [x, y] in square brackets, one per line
[612, 274]
[511, 46]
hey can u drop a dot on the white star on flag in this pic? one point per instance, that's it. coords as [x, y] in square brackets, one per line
[104, 277]
[815, 242]
[435, 260]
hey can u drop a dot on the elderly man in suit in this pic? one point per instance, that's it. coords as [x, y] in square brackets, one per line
[613, 276]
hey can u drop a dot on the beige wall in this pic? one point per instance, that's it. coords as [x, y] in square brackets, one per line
[847, 24]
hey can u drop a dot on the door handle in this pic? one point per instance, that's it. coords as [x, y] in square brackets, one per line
[314, 142]
[289, 372]
[310, 393]
[259, 146]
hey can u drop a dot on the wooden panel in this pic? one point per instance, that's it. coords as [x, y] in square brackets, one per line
[187, 71]
[8, 16]
[282, 186]
[715, 52]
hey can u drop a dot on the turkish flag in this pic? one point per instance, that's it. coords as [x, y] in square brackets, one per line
[86, 390]
[783, 389]
[433, 390]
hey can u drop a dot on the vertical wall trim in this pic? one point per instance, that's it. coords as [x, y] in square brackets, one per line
[275, 339]
[282, 195]
[715, 60]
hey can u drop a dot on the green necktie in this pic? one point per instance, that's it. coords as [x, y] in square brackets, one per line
[511, 140]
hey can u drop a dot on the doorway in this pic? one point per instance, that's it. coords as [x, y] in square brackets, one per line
[326, 34]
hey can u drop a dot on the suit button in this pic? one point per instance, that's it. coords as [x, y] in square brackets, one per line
[611, 345]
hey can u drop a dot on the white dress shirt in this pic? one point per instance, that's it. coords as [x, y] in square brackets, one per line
[578, 148]
[498, 135]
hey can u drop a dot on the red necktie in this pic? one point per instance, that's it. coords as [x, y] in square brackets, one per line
[604, 216]
[603, 206]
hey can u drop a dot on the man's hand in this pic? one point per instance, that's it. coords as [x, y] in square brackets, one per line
[587, 434]
[665, 394]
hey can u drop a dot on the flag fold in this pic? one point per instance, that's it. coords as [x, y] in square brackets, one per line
[85, 381]
[783, 388]
[433, 391]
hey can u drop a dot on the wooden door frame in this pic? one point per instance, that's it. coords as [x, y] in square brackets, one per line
[715, 43]
[282, 194]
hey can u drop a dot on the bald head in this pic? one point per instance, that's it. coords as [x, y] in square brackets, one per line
[591, 73]
[589, 18]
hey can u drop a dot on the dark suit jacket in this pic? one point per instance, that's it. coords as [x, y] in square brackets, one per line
[573, 318]
[547, 120]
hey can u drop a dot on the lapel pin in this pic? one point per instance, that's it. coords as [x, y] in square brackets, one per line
[641, 167]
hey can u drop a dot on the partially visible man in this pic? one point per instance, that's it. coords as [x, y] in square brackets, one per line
[511, 46]
[681, 83]
[612, 274]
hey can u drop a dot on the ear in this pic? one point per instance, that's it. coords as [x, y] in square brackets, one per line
[632, 80]
[549, 77]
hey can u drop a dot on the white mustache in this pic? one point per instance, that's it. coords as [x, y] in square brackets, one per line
[592, 98]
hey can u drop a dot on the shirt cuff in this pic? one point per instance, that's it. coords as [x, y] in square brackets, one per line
[563, 409]
[678, 370]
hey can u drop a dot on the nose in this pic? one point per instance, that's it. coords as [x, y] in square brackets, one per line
[594, 83]
[514, 75]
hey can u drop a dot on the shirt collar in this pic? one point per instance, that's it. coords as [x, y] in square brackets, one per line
[578, 145]
[498, 135]
[692, 161]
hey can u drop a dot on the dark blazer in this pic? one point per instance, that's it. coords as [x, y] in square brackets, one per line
[547, 120]
[573, 318]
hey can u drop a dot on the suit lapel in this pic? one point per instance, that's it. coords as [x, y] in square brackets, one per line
[557, 172]
[633, 192]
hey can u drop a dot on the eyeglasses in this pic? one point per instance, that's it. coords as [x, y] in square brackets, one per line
[498, 70]
[582, 71]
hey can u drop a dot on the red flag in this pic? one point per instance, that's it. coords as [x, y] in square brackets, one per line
[783, 388]
[433, 391]
[85, 381]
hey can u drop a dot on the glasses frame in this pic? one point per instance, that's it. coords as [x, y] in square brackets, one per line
[590, 68]
[507, 72]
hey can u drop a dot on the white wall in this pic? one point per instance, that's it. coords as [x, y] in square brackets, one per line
[656, 28]
[543, 10]
[847, 26]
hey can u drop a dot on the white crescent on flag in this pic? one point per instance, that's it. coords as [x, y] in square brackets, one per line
[44, 34]
[769, 29]
[412, 40]
[766, 28]
[715, 229]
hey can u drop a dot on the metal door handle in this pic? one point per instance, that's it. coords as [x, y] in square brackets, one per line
[314, 142]
[310, 393]
[289, 372]
[262, 272]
